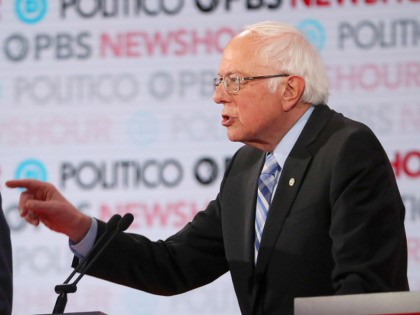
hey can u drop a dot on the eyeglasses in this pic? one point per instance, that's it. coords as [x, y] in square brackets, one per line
[232, 83]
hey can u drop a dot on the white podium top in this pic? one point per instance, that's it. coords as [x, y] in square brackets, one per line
[395, 303]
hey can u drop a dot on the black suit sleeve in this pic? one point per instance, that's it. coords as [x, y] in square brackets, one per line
[367, 228]
[189, 259]
[6, 278]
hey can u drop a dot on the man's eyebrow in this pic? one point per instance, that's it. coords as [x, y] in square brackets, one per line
[229, 73]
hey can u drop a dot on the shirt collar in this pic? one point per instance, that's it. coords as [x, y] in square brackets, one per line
[282, 151]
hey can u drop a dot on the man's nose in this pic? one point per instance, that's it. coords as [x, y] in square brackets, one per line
[220, 94]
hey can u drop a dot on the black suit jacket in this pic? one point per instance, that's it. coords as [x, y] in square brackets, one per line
[335, 226]
[6, 275]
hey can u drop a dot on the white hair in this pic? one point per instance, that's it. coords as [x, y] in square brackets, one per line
[285, 48]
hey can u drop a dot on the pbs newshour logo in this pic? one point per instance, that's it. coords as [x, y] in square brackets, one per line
[31, 11]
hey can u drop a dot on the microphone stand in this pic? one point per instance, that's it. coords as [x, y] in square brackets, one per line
[115, 225]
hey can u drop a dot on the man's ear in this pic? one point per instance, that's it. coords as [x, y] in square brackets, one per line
[294, 88]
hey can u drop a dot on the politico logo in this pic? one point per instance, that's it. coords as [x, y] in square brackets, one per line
[31, 11]
[383, 34]
[106, 89]
[121, 174]
[109, 9]
[132, 174]
[76, 89]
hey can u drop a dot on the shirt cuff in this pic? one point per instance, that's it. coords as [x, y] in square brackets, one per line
[82, 248]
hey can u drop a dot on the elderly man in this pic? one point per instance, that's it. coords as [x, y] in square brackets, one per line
[308, 206]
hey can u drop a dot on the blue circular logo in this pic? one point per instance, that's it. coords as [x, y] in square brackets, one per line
[32, 169]
[314, 33]
[31, 11]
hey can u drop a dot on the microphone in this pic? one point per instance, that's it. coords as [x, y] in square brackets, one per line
[111, 225]
[125, 222]
[114, 226]
[123, 225]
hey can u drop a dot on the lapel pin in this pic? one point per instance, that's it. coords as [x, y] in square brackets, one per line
[291, 181]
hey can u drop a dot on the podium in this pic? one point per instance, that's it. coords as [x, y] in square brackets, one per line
[391, 303]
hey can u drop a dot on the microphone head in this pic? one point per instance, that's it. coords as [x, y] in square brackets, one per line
[113, 222]
[125, 222]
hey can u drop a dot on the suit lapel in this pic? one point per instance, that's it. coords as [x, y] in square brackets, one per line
[292, 176]
[289, 183]
[249, 208]
[238, 222]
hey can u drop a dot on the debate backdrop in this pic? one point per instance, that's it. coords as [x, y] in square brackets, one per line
[111, 101]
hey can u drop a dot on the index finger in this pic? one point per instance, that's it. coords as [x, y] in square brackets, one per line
[29, 184]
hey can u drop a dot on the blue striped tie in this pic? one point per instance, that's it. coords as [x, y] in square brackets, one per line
[266, 185]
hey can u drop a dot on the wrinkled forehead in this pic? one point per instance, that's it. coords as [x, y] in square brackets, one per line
[241, 54]
[242, 43]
